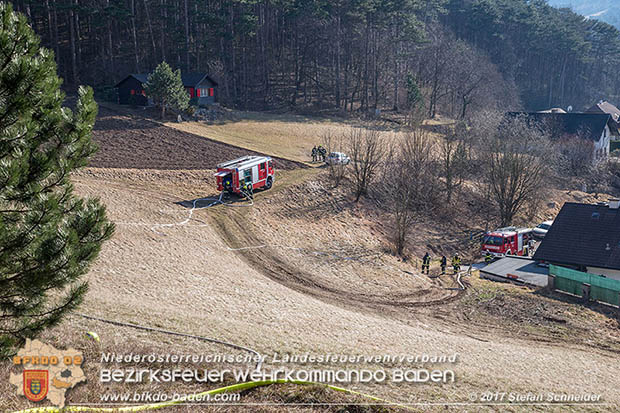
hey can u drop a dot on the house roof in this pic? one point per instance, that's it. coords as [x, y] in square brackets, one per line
[583, 234]
[140, 77]
[188, 79]
[606, 107]
[525, 269]
[194, 79]
[588, 125]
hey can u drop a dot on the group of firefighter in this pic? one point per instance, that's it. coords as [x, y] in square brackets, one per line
[456, 263]
[318, 153]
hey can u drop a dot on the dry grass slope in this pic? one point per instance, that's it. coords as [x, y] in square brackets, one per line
[325, 285]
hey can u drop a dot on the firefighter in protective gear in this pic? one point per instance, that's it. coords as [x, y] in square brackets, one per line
[456, 263]
[488, 258]
[315, 154]
[93, 335]
[249, 189]
[426, 263]
[227, 184]
[444, 262]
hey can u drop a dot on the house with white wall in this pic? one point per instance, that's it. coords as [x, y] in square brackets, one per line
[604, 107]
[594, 127]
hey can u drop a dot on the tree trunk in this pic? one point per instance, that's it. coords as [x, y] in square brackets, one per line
[375, 71]
[78, 42]
[186, 16]
[197, 35]
[551, 75]
[364, 104]
[264, 32]
[135, 37]
[150, 26]
[50, 23]
[74, 72]
[563, 80]
[56, 48]
[396, 71]
[338, 34]
[162, 44]
[109, 39]
[297, 68]
[233, 57]
[226, 78]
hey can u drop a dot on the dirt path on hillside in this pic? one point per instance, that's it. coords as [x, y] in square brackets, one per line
[233, 228]
[132, 142]
[306, 239]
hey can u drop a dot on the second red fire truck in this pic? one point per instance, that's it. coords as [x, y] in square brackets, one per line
[507, 241]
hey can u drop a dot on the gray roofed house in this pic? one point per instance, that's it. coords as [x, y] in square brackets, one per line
[200, 86]
[130, 86]
[591, 126]
[607, 108]
[585, 237]
[614, 112]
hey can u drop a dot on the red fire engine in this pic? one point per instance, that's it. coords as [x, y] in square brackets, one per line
[507, 241]
[243, 175]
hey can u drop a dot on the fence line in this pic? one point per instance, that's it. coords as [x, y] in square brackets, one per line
[588, 286]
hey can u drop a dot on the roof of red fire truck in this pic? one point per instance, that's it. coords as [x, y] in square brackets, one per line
[243, 162]
[509, 231]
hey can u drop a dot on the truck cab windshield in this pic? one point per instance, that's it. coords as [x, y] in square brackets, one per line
[493, 240]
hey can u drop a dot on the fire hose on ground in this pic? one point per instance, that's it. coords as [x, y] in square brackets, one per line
[216, 201]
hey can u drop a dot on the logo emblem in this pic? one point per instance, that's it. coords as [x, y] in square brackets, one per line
[36, 384]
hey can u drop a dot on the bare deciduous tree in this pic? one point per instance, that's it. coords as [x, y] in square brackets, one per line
[333, 143]
[367, 152]
[459, 79]
[436, 71]
[410, 183]
[576, 155]
[475, 83]
[517, 164]
[399, 199]
[454, 160]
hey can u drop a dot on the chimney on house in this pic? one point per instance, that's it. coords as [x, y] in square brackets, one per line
[614, 203]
